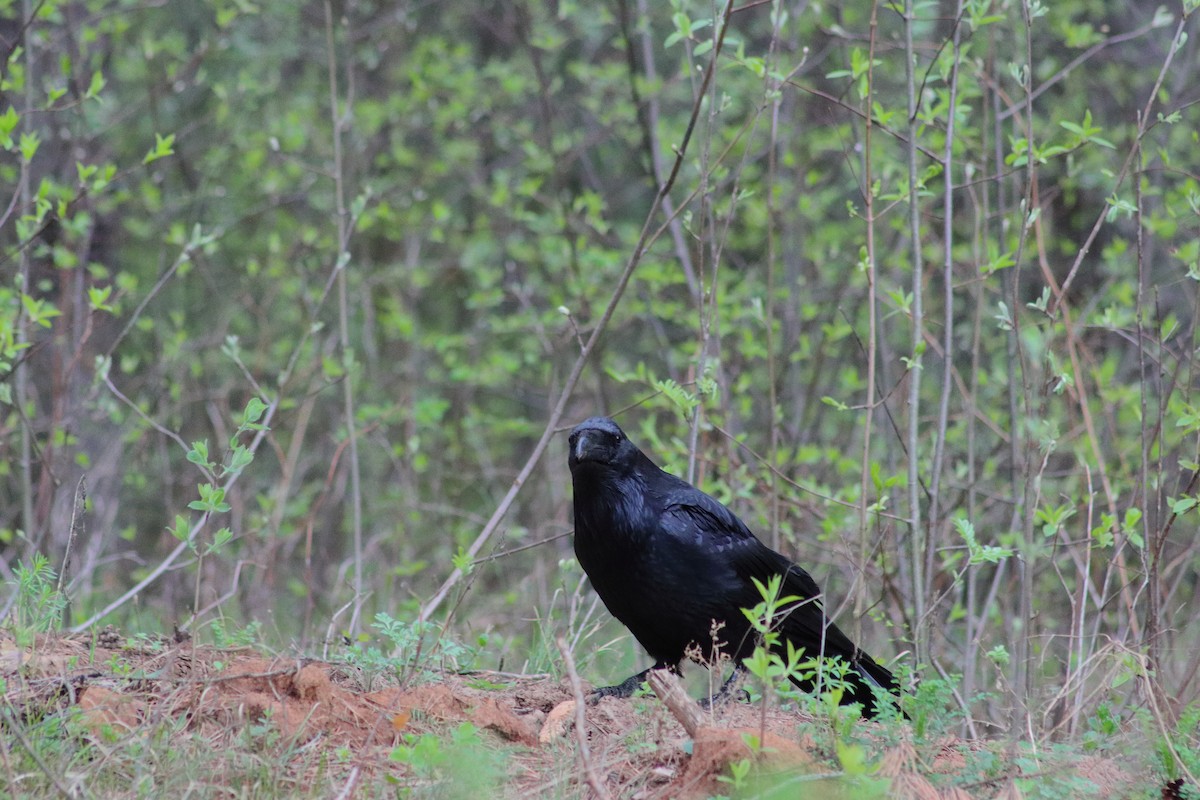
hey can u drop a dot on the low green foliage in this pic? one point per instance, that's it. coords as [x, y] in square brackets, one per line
[39, 604]
[410, 651]
[776, 671]
[225, 635]
[458, 766]
[1178, 749]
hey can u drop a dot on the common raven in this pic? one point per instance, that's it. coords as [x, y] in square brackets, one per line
[677, 567]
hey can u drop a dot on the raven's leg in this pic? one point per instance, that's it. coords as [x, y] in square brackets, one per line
[729, 688]
[627, 687]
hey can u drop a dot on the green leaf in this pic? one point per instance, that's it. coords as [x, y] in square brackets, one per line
[96, 86]
[239, 459]
[462, 561]
[220, 539]
[199, 453]
[212, 500]
[40, 312]
[677, 394]
[29, 145]
[1182, 505]
[180, 529]
[98, 297]
[254, 410]
[999, 655]
[163, 147]
[853, 758]
[8, 123]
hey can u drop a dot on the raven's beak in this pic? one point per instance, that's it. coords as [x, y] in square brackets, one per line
[581, 446]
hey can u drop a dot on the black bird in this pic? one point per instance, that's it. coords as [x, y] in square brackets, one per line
[669, 561]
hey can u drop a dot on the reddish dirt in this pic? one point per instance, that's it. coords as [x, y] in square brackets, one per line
[637, 747]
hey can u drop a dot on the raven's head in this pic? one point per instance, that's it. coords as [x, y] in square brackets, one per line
[600, 442]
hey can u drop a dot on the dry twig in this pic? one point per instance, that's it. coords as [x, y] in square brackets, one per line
[670, 690]
[585, 756]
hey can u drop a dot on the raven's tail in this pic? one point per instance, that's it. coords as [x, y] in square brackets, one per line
[866, 681]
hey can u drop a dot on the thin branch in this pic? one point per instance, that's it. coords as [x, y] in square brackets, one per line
[343, 261]
[581, 735]
[919, 535]
[170, 434]
[939, 448]
[559, 409]
[22, 390]
[872, 351]
[185, 255]
[1032, 484]
[1078, 61]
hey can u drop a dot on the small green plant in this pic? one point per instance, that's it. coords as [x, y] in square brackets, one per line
[1178, 750]
[262, 734]
[212, 496]
[146, 643]
[461, 767]
[1102, 727]
[39, 605]
[411, 649]
[778, 670]
[739, 771]
[372, 662]
[932, 709]
[119, 667]
[235, 637]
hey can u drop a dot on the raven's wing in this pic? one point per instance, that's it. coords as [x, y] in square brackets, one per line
[737, 558]
[701, 521]
[698, 520]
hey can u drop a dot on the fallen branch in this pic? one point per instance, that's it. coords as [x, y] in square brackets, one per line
[669, 689]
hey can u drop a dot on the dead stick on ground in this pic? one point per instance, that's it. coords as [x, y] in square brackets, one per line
[585, 757]
[670, 690]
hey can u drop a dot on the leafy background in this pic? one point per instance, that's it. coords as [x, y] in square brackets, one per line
[296, 288]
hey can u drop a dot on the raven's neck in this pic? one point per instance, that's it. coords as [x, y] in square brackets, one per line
[610, 507]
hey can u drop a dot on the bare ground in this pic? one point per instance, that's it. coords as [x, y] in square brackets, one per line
[328, 717]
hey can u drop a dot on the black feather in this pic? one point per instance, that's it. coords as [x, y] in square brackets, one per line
[669, 561]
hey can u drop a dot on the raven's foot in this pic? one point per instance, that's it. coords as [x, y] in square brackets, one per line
[627, 687]
[731, 689]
